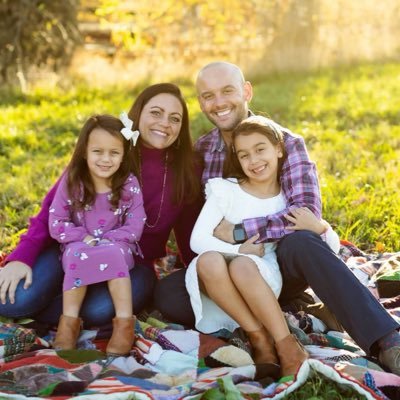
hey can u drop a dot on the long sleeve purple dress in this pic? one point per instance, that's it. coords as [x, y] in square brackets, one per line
[117, 232]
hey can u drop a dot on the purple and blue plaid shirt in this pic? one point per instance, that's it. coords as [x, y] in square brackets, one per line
[299, 182]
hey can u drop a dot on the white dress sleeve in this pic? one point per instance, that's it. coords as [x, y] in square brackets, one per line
[332, 239]
[202, 238]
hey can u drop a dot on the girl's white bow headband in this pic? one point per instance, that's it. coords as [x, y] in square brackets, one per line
[127, 130]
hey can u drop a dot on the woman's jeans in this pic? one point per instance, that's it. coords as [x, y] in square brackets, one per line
[43, 299]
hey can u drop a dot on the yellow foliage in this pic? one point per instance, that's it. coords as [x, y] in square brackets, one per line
[198, 25]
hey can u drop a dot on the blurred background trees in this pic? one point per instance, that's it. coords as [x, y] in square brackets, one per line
[108, 40]
[36, 33]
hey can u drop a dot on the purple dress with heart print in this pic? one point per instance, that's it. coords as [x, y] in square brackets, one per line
[117, 230]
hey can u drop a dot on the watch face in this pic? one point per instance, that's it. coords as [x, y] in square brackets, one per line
[239, 235]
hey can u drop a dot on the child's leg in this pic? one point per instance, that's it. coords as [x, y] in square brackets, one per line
[216, 278]
[263, 303]
[258, 296]
[123, 335]
[72, 301]
[69, 325]
[121, 294]
[216, 282]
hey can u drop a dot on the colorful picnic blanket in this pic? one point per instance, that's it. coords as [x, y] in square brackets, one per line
[169, 362]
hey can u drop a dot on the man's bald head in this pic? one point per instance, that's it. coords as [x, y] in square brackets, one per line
[229, 68]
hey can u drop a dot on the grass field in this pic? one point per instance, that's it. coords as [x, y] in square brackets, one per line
[349, 118]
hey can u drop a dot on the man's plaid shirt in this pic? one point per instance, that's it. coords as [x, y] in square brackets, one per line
[299, 182]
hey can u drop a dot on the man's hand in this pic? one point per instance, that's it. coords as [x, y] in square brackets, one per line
[10, 275]
[303, 219]
[250, 247]
[224, 231]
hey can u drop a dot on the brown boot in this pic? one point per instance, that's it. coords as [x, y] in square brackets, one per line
[123, 336]
[67, 333]
[264, 353]
[291, 355]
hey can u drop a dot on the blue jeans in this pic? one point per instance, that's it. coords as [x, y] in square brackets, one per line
[43, 299]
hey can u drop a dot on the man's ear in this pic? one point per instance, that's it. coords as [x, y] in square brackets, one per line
[200, 103]
[248, 91]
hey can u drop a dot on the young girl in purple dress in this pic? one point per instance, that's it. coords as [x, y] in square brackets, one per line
[97, 215]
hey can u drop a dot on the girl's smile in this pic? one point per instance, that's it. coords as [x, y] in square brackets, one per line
[258, 158]
[104, 156]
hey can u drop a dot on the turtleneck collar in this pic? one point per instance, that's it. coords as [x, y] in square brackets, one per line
[151, 153]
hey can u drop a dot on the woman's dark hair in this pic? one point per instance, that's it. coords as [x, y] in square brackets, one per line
[184, 160]
[250, 125]
[79, 183]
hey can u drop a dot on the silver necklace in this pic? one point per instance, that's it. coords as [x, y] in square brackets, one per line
[162, 190]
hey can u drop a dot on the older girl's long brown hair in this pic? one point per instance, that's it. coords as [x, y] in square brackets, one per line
[79, 182]
[184, 160]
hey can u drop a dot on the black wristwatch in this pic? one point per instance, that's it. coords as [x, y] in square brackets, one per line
[239, 234]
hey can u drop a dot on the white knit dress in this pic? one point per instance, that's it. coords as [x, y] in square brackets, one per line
[226, 199]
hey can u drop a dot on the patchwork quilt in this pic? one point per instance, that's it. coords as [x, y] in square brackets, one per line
[168, 362]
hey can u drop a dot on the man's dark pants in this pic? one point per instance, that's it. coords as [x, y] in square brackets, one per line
[305, 260]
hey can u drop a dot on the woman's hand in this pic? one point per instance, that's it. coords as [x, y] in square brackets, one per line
[249, 247]
[10, 275]
[303, 219]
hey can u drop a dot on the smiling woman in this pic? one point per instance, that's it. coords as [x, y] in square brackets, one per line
[169, 177]
[161, 121]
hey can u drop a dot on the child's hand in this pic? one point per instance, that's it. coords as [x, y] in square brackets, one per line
[249, 247]
[303, 219]
[91, 240]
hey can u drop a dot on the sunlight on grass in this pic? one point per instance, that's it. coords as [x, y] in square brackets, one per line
[348, 117]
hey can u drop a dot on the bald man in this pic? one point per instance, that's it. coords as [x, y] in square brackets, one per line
[304, 258]
[224, 96]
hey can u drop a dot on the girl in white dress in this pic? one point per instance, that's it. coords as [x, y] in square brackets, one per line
[233, 285]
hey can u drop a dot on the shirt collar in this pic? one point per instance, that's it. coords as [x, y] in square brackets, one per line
[218, 143]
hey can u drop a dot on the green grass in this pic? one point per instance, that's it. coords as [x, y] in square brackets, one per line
[349, 118]
[318, 387]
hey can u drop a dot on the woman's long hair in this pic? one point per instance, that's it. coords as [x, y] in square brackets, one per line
[79, 182]
[250, 125]
[184, 160]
